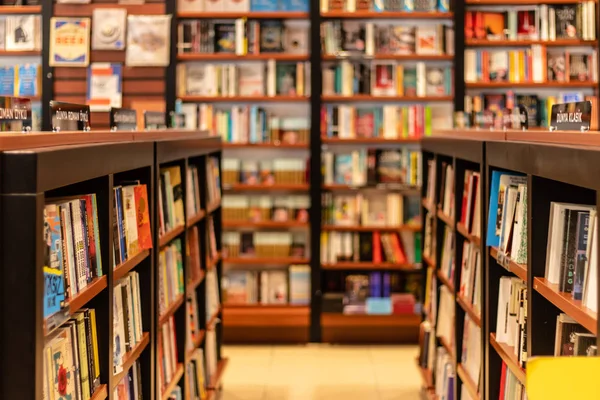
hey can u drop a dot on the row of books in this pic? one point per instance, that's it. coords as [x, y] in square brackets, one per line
[356, 37]
[264, 244]
[543, 22]
[170, 275]
[446, 198]
[291, 286]
[193, 249]
[470, 208]
[385, 122]
[447, 263]
[260, 208]
[130, 387]
[386, 78]
[471, 355]
[573, 339]
[170, 199]
[20, 32]
[386, 5]
[532, 65]
[168, 357]
[131, 221]
[127, 318]
[213, 180]
[371, 247]
[254, 124]
[237, 6]
[511, 387]
[370, 209]
[244, 79]
[71, 367]
[265, 172]
[470, 276]
[22, 80]
[241, 37]
[511, 317]
[196, 373]
[372, 167]
[213, 298]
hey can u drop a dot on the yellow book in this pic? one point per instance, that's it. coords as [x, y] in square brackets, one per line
[400, 80]
[550, 101]
[511, 63]
[559, 378]
[163, 267]
[300, 79]
[95, 343]
[521, 66]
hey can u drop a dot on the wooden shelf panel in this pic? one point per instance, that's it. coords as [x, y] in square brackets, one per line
[210, 264]
[22, 53]
[574, 308]
[428, 206]
[246, 57]
[387, 15]
[426, 376]
[521, 43]
[429, 261]
[213, 319]
[194, 219]
[519, 270]
[170, 235]
[266, 315]
[384, 99]
[468, 307]
[468, 382]
[212, 207]
[91, 290]
[265, 224]
[507, 354]
[171, 310]
[444, 280]
[166, 394]
[249, 15]
[20, 10]
[329, 320]
[462, 229]
[244, 99]
[101, 393]
[374, 140]
[130, 358]
[123, 269]
[377, 186]
[371, 266]
[215, 380]
[192, 285]
[448, 220]
[397, 57]
[266, 260]
[510, 85]
[299, 187]
[358, 228]
[266, 145]
[448, 347]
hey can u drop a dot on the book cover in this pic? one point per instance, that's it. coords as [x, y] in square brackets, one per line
[2, 33]
[28, 80]
[343, 168]
[286, 79]
[526, 25]
[427, 40]
[531, 102]
[263, 5]
[498, 66]
[190, 5]
[271, 36]
[353, 36]
[389, 166]
[69, 42]
[402, 40]
[224, 38]
[54, 278]
[423, 5]
[7, 80]
[365, 123]
[566, 21]
[294, 5]
[104, 86]
[148, 40]
[296, 40]
[434, 77]
[383, 79]
[143, 217]
[237, 5]
[493, 23]
[357, 288]
[410, 82]
[557, 71]
[251, 79]
[579, 68]
[108, 28]
[20, 33]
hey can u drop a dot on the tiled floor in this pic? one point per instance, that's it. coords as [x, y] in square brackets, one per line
[319, 372]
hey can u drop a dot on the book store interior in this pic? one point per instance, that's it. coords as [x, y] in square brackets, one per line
[299, 199]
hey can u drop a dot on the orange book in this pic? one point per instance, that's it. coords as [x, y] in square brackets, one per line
[398, 253]
[376, 247]
[143, 217]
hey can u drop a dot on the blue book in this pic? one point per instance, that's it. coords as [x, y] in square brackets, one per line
[387, 284]
[499, 184]
[408, 5]
[86, 239]
[379, 305]
[120, 222]
[7, 81]
[28, 80]
[375, 284]
[294, 5]
[444, 6]
[54, 283]
[263, 5]
[343, 169]
[253, 122]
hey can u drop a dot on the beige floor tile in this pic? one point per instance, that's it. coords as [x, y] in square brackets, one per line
[242, 392]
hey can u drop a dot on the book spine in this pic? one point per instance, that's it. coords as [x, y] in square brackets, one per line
[94, 383]
[79, 242]
[95, 347]
[121, 222]
[83, 357]
[89, 219]
[96, 236]
[116, 234]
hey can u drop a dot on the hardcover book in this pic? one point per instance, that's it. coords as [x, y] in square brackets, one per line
[69, 42]
[271, 36]
[566, 22]
[225, 38]
[148, 40]
[108, 28]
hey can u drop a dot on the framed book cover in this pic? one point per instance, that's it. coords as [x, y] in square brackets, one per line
[69, 42]
[148, 40]
[104, 86]
[108, 29]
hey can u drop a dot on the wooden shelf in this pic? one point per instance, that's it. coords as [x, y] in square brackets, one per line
[171, 310]
[170, 235]
[445, 281]
[519, 2]
[573, 308]
[521, 43]
[194, 219]
[300, 187]
[397, 57]
[384, 99]
[362, 320]
[266, 260]
[448, 347]
[468, 382]
[519, 270]
[196, 342]
[192, 285]
[377, 186]
[20, 10]
[245, 14]
[123, 269]
[266, 145]
[246, 57]
[166, 394]
[371, 266]
[244, 99]
[462, 229]
[266, 315]
[213, 319]
[358, 228]
[428, 206]
[468, 307]
[265, 224]
[448, 220]
[91, 290]
[428, 261]
[507, 354]
[510, 85]
[21, 53]
[426, 376]
[210, 208]
[210, 264]
[101, 393]
[215, 380]
[130, 358]
[387, 15]
[373, 140]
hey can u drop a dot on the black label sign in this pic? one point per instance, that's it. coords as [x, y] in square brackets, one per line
[69, 116]
[571, 116]
[15, 114]
[177, 120]
[155, 120]
[123, 119]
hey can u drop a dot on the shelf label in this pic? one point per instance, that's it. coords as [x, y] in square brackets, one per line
[123, 119]
[69, 116]
[154, 120]
[15, 114]
[571, 116]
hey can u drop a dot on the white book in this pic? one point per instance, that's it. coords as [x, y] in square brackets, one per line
[590, 291]
[504, 292]
[237, 5]
[108, 28]
[130, 214]
[251, 79]
[190, 5]
[119, 348]
[214, 5]
[166, 347]
[21, 32]
[271, 78]
[421, 79]
[508, 216]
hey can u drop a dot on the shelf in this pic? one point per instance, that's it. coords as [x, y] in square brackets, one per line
[510, 85]
[358, 228]
[130, 358]
[22, 53]
[300, 187]
[171, 310]
[266, 316]
[20, 10]
[468, 382]
[91, 290]
[371, 140]
[210, 264]
[397, 57]
[123, 269]
[428, 261]
[378, 186]
[383, 99]
[573, 308]
[170, 235]
[468, 307]
[519, 270]
[445, 281]
[428, 206]
[166, 394]
[521, 43]
[194, 219]
[197, 342]
[370, 266]
[266, 145]
[265, 224]
[101, 393]
[246, 57]
[426, 376]
[266, 260]
[215, 380]
[519, 2]
[462, 229]
[245, 99]
[387, 15]
[210, 208]
[245, 14]
[192, 285]
[447, 346]
[213, 319]
[448, 220]
[507, 354]
[363, 328]
[362, 320]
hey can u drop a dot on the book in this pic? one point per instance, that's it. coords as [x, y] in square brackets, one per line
[69, 42]
[104, 89]
[148, 40]
[22, 33]
[108, 28]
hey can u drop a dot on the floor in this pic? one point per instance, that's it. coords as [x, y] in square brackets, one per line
[319, 372]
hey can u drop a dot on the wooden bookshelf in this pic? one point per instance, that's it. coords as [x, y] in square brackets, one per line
[192, 285]
[350, 265]
[387, 15]
[359, 228]
[272, 316]
[372, 140]
[249, 15]
[194, 219]
[211, 208]
[130, 358]
[265, 224]
[88, 293]
[197, 342]
[519, 270]
[166, 394]
[244, 99]
[462, 229]
[264, 261]
[215, 380]
[213, 319]
[378, 186]
[445, 281]
[277, 145]
[469, 309]
[507, 354]
[170, 235]
[385, 99]
[397, 57]
[428, 206]
[171, 310]
[123, 269]
[245, 57]
[508, 85]
[257, 188]
[449, 348]
[21, 53]
[428, 260]
[101, 393]
[521, 43]
[20, 10]
[468, 383]
[448, 220]
[212, 263]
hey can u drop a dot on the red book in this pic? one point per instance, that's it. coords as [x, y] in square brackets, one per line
[143, 217]
[502, 381]
[89, 211]
[479, 26]
[376, 248]
[398, 253]
[469, 31]
[465, 196]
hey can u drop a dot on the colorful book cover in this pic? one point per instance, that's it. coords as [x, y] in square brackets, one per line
[526, 25]
[225, 38]
[410, 82]
[263, 5]
[402, 40]
[271, 36]
[286, 79]
[143, 217]
[389, 166]
[294, 5]
[69, 42]
[557, 63]
[54, 279]
[28, 80]
[7, 80]
[493, 23]
[531, 102]
[343, 169]
[436, 85]
[424, 5]
[579, 68]
[104, 86]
